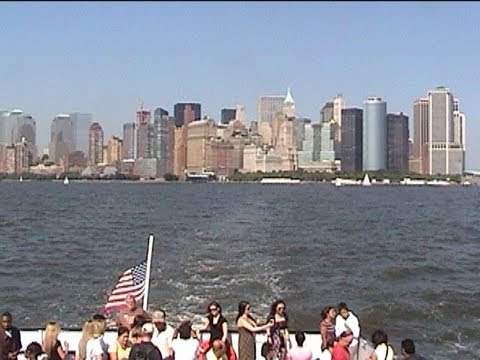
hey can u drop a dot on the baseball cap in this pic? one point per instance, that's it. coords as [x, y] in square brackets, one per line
[147, 328]
[157, 316]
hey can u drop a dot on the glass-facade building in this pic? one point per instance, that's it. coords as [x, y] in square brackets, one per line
[374, 134]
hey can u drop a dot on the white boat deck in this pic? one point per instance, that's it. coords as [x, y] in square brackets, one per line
[312, 341]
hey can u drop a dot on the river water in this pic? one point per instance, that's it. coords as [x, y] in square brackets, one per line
[405, 259]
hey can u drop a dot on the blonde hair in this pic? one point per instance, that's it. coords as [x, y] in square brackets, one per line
[98, 328]
[87, 334]
[52, 330]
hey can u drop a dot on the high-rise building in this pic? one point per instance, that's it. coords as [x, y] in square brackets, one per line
[289, 105]
[352, 139]
[305, 155]
[268, 107]
[326, 113]
[81, 124]
[95, 148]
[144, 134]
[327, 152]
[62, 141]
[179, 110]
[375, 134]
[445, 156]
[240, 114]
[338, 106]
[227, 115]
[163, 141]
[129, 141]
[397, 142]
[199, 138]
[419, 163]
[114, 151]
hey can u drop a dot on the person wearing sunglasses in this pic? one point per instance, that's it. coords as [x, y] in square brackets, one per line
[216, 325]
[278, 336]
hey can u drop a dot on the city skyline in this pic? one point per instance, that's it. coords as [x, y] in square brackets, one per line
[108, 67]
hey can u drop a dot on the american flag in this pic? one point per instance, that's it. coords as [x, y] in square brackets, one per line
[130, 282]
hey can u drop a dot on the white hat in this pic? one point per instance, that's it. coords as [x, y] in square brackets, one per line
[147, 328]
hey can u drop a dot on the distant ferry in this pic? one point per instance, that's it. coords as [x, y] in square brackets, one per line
[204, 176]
[279, 181]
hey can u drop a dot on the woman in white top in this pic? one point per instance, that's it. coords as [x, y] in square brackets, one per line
[383, 351]
[97, 349]
[185, 347]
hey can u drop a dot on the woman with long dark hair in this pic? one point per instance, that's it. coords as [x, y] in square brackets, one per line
[278, 336]
[247, 327]
[327, 325]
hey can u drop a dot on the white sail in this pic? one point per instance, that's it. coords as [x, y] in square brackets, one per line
[66, 181]
[366, 181]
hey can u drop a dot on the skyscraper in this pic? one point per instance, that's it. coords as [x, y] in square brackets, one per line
[81, 123]
[144, 134]
[420, 163]
[268, 107]
[62, 141]
[289, 105]
[326, 113]
[162, 142]
[375, 134]
[226, 115]
[179, 110]
[129, 141]
[240, 113]
[95, 153]
[397, 143]
[445, 156]
[352, 139]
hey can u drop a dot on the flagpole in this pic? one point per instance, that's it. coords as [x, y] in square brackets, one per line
[147, 275]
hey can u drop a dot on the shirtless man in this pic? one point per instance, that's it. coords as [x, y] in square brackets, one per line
[126, 317]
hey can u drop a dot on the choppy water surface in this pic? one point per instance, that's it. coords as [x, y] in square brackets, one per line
[405, 259]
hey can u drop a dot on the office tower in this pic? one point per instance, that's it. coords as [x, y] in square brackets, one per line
[240, 114]
[162, 141]
[81, 123]
[289, 105]
[129, 141]
[95, 144]
[352, 139]
[397, 142]
[299, 131]
[4, 120]
[375, 134]
[199, 137]
[179, 110]
[114, 151]
[305, 155]
[144, 134]
[268, 107]
[326, 113]
[420, 137]
[338, 106]
[445, 156]
[327, 152]
[317, 142]
[226, 115]
[62, 141]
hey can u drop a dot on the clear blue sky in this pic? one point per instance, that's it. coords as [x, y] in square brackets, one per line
[104, 57]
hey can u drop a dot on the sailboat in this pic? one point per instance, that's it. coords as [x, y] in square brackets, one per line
[366, 181]
[21, 178]
[66, 181]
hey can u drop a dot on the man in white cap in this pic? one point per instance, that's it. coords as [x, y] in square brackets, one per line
[162, 334]
[145, 350]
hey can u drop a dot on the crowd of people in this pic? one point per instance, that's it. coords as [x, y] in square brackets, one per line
[144, 336]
